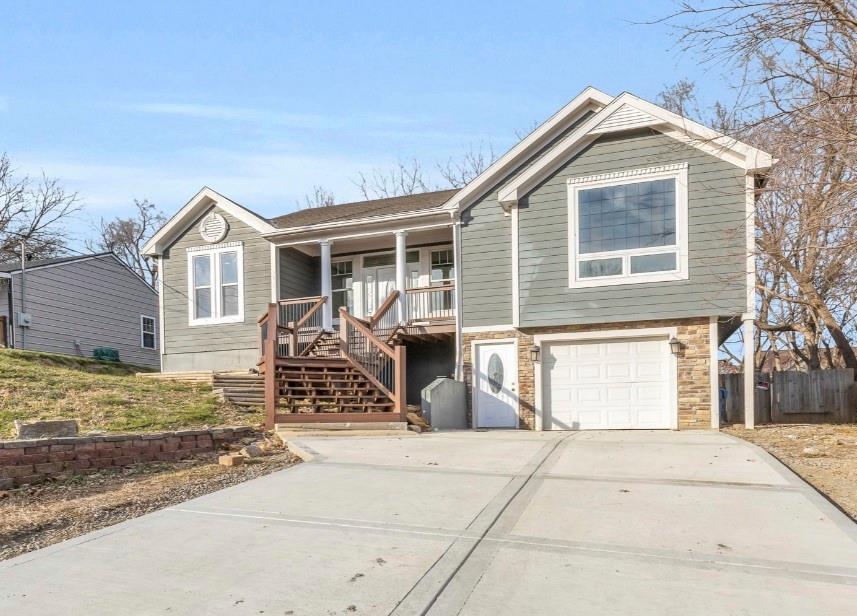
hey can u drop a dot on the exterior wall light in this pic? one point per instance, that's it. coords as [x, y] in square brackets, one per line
[535, 353]
[675, 345]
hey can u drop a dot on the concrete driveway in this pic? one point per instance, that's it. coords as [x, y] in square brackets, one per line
[472, 523]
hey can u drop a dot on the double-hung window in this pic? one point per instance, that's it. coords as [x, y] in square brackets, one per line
[147, 332]
[216, 284]
[628, 227]
[342, 286]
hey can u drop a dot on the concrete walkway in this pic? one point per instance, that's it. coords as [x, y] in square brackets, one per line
[472, 523]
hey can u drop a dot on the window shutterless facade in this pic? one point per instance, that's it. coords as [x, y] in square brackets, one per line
[147, 332]
[216, 284]
[628, 227]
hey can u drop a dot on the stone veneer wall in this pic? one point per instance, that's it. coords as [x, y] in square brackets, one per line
[694, 393]
[32, 461]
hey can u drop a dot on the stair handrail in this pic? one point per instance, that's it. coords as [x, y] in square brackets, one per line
[382, 364]
[299, 318]
[384, 322]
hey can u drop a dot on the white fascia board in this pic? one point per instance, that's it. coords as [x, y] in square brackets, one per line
[5, 275]
[590, 99]
[200, 202]
[680, 128]
[357, 222]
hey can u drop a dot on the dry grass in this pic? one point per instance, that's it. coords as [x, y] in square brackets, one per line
[104, 396]
[33, 517]
[825, 455]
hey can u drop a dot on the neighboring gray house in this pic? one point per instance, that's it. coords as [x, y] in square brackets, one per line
[584, 280]
[73, 305]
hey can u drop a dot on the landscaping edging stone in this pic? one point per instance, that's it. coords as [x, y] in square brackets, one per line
[34, 460]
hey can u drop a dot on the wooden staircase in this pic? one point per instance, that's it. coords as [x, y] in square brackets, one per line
[327, 385]
[311, 375]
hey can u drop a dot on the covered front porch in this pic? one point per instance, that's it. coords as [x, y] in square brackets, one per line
[349, 308]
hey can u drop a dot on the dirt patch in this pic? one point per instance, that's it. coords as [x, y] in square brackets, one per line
[37, 516]
[824, 455]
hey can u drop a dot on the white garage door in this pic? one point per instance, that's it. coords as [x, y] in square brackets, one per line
[616, 384]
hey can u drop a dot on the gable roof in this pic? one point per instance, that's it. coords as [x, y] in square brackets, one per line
[198, 204]
[628, 112]
[364, 209]
[588, 101]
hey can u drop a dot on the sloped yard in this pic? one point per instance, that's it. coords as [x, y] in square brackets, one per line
[104, 396]
[824, 455]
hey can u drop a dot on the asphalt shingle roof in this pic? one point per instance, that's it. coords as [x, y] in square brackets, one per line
[363, 209]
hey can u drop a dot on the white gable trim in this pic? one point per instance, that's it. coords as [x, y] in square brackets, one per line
[588, 100]
[201, 202]
[634, 112]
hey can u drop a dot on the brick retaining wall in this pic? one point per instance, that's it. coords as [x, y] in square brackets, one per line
[32, 461]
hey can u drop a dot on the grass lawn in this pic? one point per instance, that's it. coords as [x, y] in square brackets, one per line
[104, 396]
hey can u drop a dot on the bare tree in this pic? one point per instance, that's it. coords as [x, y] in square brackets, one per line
[320, 197]
[406, 178]
[125, 237]
[460, 172]
[795, 63]
[32, 212]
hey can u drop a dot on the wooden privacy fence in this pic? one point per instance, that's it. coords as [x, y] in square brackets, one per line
[820, 396]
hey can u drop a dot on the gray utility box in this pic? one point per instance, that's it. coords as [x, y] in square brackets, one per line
[444, 404]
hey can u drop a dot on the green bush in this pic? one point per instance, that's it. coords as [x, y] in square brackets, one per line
[105, 354]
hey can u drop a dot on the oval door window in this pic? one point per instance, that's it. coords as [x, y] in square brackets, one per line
[495, 373]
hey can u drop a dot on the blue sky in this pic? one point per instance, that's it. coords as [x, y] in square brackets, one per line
[263, 100]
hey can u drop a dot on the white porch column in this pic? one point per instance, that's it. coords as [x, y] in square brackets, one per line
[749, 376]
[402, 274]
[326, 284]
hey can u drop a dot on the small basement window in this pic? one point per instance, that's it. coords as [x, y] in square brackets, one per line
[147, 332]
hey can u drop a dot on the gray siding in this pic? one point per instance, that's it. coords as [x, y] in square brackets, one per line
[299, 275]
[716, 284]
[486, 252]
[81, 305]
[222, 346]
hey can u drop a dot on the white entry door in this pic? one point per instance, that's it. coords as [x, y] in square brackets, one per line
[598, 385]
[496, 385]
[380, 282]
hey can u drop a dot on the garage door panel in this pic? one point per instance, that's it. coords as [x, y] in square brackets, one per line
[608, 384]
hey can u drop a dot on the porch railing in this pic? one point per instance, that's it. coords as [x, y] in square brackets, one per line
[431, 303]
[384, 322]
[300, 320]
[382, 364]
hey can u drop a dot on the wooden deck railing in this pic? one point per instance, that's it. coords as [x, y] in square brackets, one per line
[384, 322]
[431, 303]
[380, 363]
[301, 321]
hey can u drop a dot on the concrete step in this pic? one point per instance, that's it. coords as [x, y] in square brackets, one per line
[398, 426]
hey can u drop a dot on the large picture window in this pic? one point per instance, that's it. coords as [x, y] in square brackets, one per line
[628, 227]
[215, 281]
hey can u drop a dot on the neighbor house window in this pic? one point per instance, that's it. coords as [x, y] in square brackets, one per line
[147, 332]
[628, 227]
[215, 284]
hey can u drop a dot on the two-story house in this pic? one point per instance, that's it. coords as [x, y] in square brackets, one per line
[583, 281]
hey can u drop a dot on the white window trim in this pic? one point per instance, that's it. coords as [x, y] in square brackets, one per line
[678, 172]
[214, 252]
[154, 333]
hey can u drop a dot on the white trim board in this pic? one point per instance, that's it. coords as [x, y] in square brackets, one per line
[589, 100]
[199, 203]
[482, 329]
[605, 336]
[669, 123]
